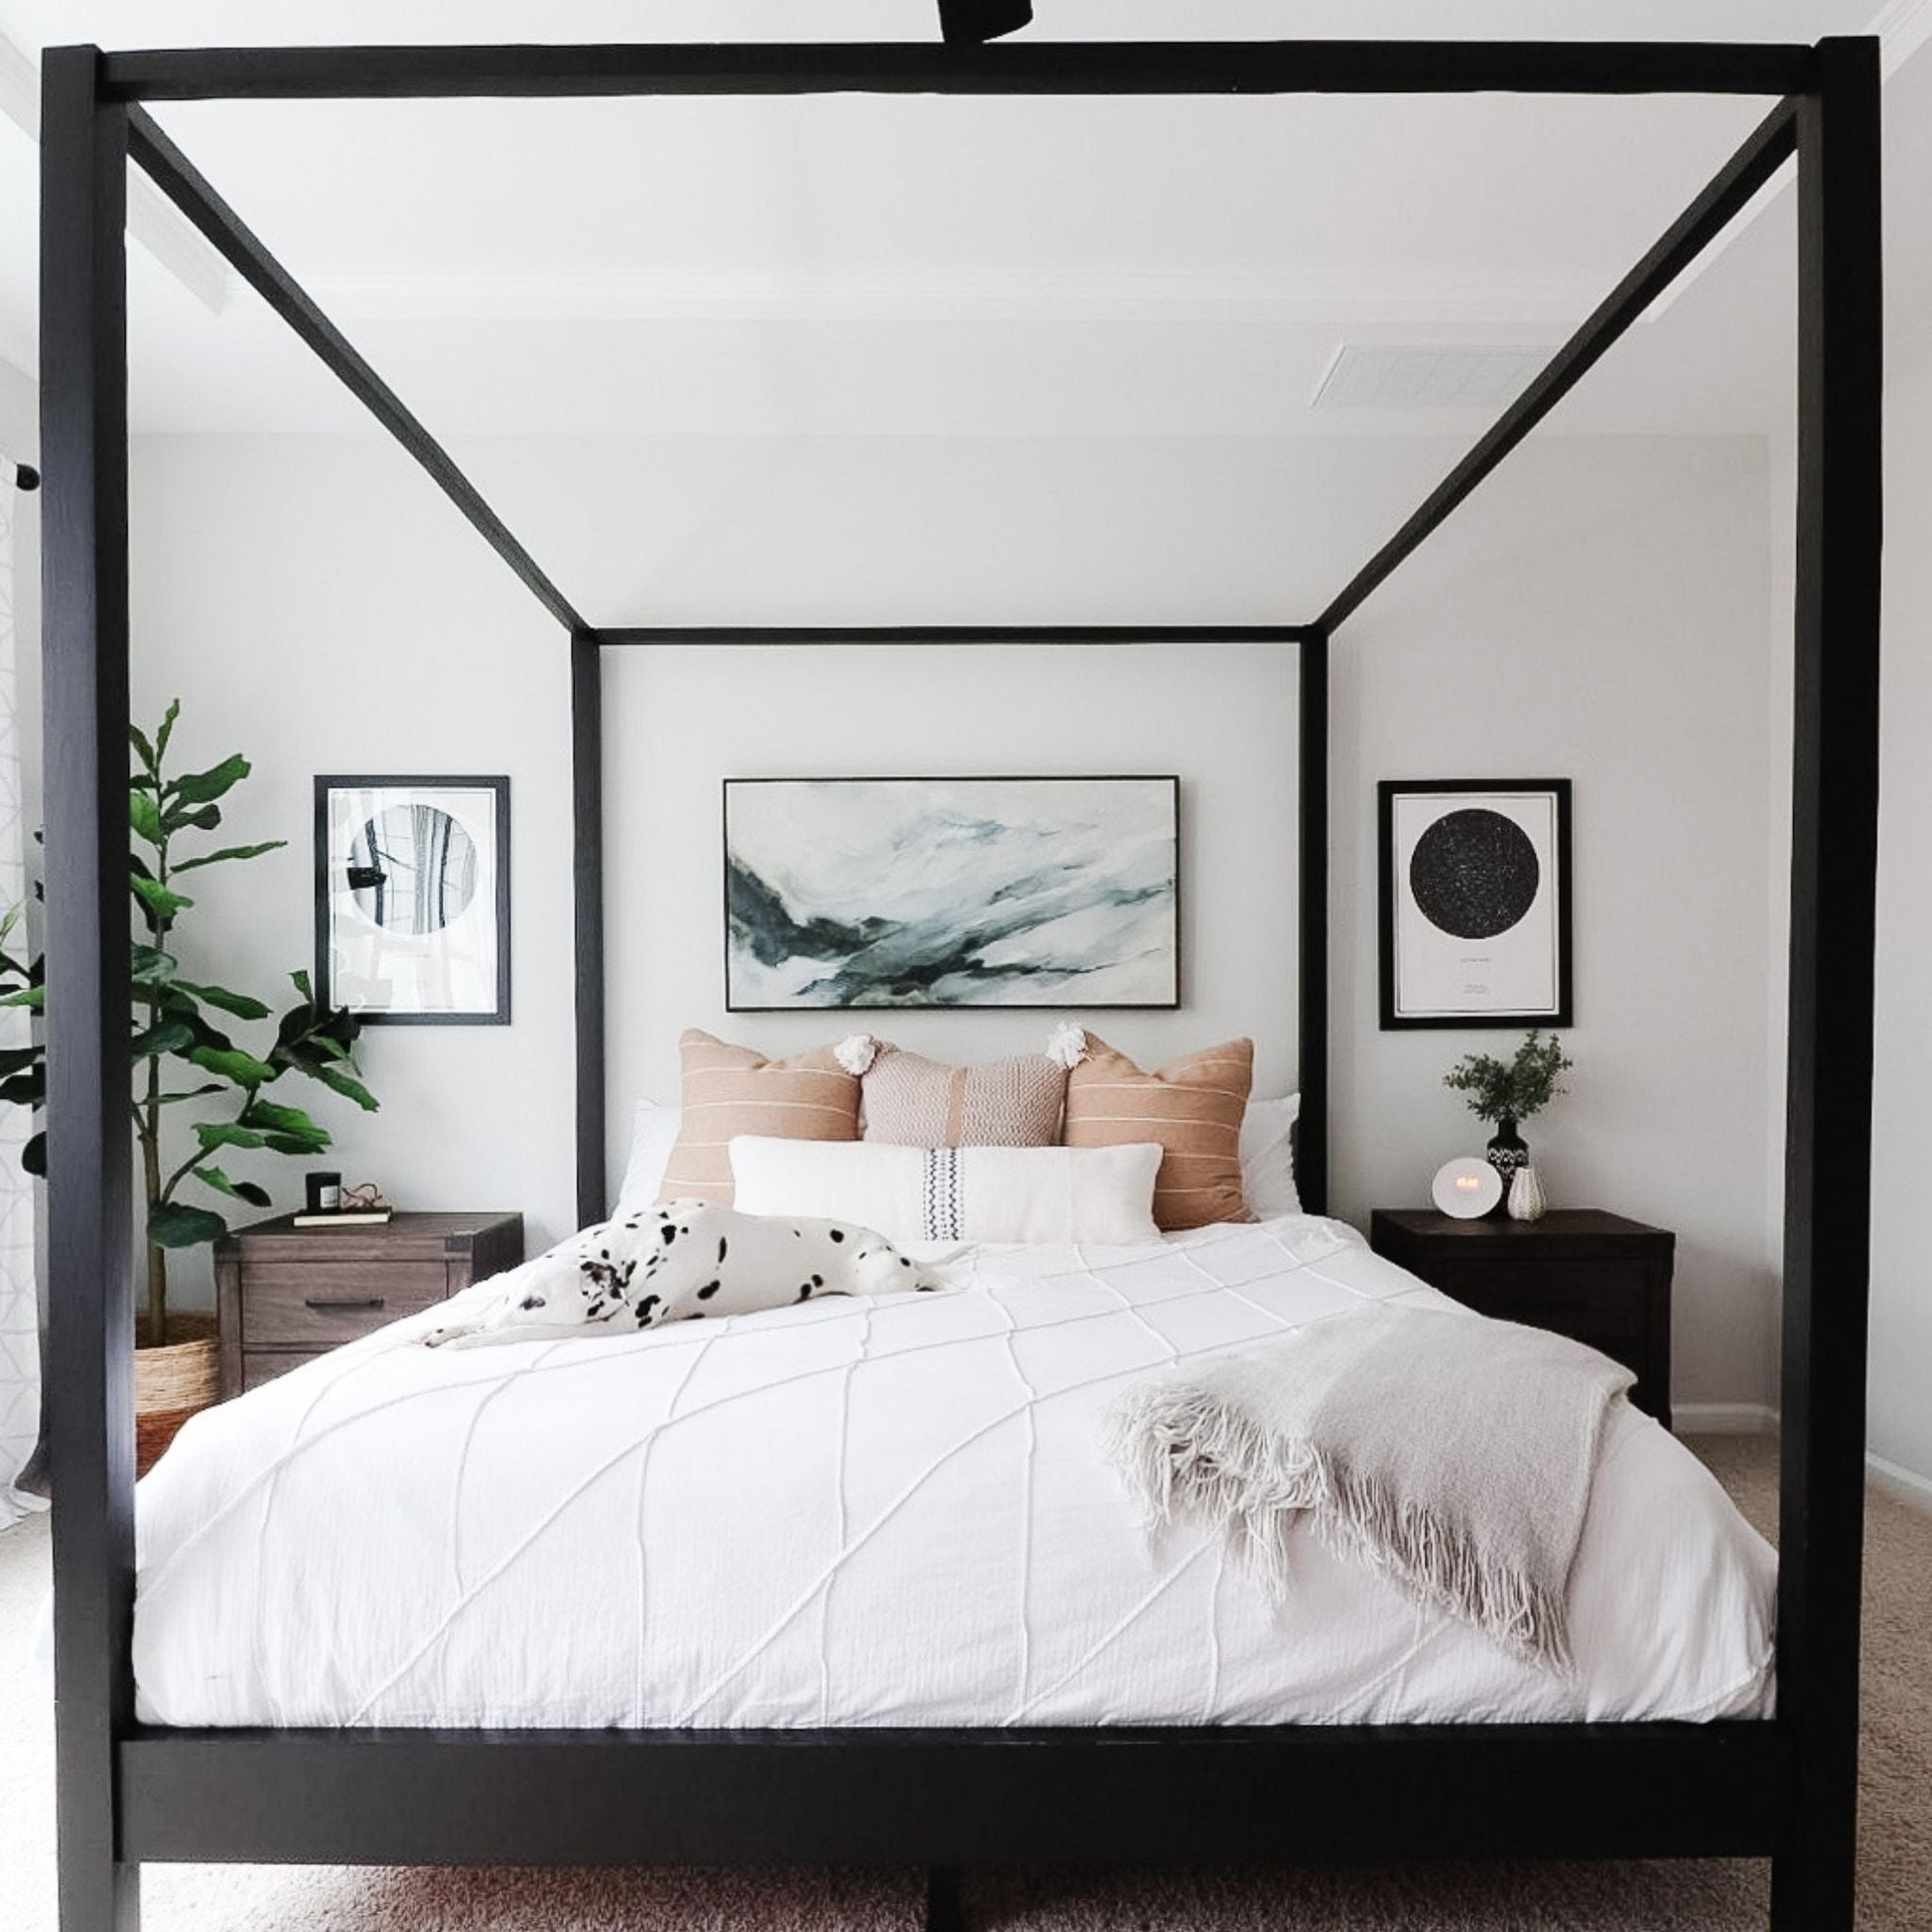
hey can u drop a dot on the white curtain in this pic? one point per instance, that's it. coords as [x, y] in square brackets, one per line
[20, 1352]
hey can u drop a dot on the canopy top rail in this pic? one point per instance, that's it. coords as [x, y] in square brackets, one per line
[1064, 68]
[1025, 67]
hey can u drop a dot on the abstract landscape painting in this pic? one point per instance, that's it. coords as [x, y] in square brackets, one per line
[952, 892]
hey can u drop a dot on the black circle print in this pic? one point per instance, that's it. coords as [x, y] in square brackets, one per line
[1474, 872]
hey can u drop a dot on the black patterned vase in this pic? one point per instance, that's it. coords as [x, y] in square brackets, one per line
[1507, 1150]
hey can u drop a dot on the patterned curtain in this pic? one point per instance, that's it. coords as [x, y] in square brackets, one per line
[20, 1355]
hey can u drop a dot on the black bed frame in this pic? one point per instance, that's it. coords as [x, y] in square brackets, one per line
[130, 1793]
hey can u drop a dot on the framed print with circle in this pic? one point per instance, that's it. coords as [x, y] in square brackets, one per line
[413, 900]
[1474, 903]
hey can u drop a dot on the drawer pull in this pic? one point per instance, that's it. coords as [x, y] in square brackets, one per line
[343, 1302]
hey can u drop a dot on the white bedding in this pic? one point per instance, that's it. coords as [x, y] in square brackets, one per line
[892, 1512]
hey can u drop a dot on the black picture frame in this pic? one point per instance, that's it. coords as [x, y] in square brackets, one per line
[327, 785]
[1397, 1013]
[1084, 1004]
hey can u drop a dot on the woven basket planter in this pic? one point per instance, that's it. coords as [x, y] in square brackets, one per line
[173, 1383]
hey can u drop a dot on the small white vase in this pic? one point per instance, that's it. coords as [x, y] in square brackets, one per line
[1526, 1201]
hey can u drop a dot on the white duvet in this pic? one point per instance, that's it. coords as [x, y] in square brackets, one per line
[890, 1512]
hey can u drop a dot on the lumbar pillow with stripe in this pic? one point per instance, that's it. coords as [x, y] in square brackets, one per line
[1103, 1195]
[1192, 1106]
[731, 1090]
[912, 1101]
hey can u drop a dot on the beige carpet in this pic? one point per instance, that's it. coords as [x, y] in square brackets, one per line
[1895, 1859]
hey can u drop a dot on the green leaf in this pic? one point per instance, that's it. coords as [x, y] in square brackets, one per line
[286, 1123]
[150, 966]
[232, 1064]
[232, 852]
[144, 816]
[169, 1036]
[204, 819]
[14, 1059]
[166, 732]
[158, 900]
[345, 1085]
[33, 1155]
[251, 1191]
[9, 918]
[199, 788]
[26, 996]
[176, 1225]
[242, 1004]
[190, 1093]
[214, 1134]
[139, 739]
[299, 976]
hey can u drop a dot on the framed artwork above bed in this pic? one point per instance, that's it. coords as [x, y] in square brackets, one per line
[1059, 891]
[413, 900]
[1475, 888]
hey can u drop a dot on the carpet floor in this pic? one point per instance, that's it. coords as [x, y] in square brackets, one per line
[1895, 1849]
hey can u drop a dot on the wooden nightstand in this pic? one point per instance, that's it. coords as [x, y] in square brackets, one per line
[287, 1295]
[1578, 1272]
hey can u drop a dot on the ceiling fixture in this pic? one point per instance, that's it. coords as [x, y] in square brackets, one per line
[969, 22]
[1428, 376]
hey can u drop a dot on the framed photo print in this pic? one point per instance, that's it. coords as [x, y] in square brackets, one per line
[1474, 903]
[952, 892]
[413, 900]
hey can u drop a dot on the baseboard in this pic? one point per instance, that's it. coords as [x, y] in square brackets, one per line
[1897, 1481]
[1724, 1418]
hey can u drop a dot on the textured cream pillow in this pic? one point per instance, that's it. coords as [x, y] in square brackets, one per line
[1103, 1194]
[912, 1101]
[731, 1090]
[1192, 1106]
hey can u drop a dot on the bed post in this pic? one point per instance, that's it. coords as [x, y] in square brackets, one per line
[1311, 1126]
[1833, 861]
[84, 430]
[587, 810]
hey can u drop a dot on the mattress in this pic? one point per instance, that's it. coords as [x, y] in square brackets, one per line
[892, 1512]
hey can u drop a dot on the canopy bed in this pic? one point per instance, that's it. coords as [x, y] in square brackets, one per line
[132, 1792]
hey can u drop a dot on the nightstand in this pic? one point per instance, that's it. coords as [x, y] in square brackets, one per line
[1577, 1272]
[287, 1295]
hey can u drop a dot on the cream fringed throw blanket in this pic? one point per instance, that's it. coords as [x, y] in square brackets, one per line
[1451, 1452]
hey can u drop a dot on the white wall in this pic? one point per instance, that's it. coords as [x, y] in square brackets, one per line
[318, 606]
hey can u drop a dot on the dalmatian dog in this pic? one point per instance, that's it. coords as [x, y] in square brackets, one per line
[678, 1262]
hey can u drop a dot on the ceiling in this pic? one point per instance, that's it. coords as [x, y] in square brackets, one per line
[910, 266]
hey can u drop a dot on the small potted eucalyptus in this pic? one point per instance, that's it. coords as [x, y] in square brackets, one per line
[1507, 1093]
[200, 1096]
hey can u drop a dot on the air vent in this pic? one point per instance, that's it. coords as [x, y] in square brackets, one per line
[1428, 376]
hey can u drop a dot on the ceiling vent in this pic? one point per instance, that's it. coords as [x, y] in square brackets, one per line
[1428, 376]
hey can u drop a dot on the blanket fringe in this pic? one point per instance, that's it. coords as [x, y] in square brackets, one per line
[1183, 1451]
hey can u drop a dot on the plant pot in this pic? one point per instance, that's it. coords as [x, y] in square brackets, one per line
[1507, 1150]
[173, 1383]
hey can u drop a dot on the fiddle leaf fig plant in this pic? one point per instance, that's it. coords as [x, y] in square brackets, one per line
[184, 1058]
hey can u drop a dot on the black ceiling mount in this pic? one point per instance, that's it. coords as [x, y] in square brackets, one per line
[971, 21]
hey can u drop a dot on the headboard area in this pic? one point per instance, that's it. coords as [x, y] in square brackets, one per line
[1222, 710]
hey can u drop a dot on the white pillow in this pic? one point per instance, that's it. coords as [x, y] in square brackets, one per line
[654, 1128]
[1103, 1194]
[1268, 1156]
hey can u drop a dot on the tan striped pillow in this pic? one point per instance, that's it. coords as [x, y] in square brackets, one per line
[731, 1090]
[913, 1101]
[1192, 1106]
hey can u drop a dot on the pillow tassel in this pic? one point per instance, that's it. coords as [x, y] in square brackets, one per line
[1068, 1045]
[856, 1052]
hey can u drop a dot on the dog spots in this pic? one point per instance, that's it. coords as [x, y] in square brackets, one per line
[645, 1309]
[532, 1302]
[904, 1262]
[709, 1290]
[671, 1233]
[723, 1248]
[925, 1287]
[805, 1292]
[838, 1234]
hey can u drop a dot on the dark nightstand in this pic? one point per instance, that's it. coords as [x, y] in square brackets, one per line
[287, 1295]
[1577, 1272]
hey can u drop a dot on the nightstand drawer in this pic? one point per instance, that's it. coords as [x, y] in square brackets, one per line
[266, 1365]
[318, 1305]
[1606, 1298]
